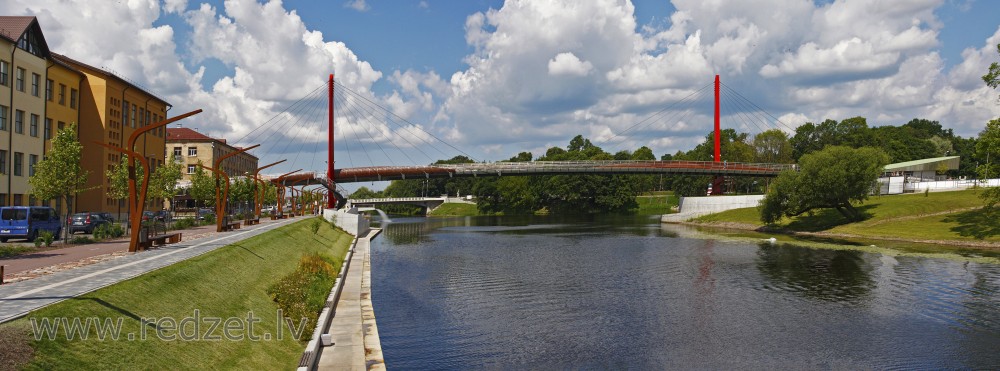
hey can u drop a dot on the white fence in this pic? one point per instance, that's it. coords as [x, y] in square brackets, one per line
[897, 184]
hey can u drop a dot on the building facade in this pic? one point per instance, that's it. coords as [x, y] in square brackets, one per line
[24, 66]
[189, 147]
[111, 109]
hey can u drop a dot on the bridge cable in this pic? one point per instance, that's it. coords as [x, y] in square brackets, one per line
[759, 108]
[367, 129]
[354, 131]
[373, 110]
[279, 114]
[660, 112]
[373, 113]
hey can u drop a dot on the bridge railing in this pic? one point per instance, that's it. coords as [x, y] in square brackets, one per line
[615, 165]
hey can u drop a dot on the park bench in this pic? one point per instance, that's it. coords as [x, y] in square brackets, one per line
[162, 239]
[231, 226]
[253, 221]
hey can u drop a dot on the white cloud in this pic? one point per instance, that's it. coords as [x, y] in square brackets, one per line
[569, 64]
[359, 5]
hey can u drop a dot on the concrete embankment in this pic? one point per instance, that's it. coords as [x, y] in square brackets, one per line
[693, 207]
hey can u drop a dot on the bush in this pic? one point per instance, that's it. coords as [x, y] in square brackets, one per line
[315, 226]
[38, 241]
[47, 237]
[13, 250]
[108, 230]
[183, 223]
[303, 293]
[81, 240]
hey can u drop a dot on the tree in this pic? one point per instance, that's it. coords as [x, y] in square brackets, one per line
[202, 186]
[772, 146]
[163, 181]
[988, 148]
[59, 175]
[992, 76]
[836, 177]
[364, 192]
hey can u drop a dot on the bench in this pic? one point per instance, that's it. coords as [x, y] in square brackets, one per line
[163, 239]
[231, 226]
[251, 221]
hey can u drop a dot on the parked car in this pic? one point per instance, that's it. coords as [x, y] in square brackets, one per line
[86, 222]
[27, 221]
[203, 212]
[107, 216]
[163, 216]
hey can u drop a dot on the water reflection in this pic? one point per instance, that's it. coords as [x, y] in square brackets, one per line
[831, 275]
[541, 293]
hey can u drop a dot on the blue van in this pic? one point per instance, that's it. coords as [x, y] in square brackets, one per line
[27, 221]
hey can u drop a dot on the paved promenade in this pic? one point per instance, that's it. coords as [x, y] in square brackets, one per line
[19, 298]
[353, 330]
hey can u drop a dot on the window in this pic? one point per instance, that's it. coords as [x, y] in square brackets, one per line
[17, 199]
[142, 116]
[19, 82]
[32, 160]
[72, 98]
[125, 113]
[3, 161]
[48, 129]
[3, 118]
[133, 116]
[62, 125]
[177, 151]
[62, 94]
[19, 121]
[4, 72]
[192, 151]
[35, 79]
[191, 169]
[33, 129]
[48, 90]
[18, 164]
[147, 118]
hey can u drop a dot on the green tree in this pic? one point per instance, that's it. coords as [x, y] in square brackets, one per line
[772, 146]
[836, 177]
[202, 186]
[364, 192]
[992, 76]
[59, 175]
[118, 177]
[988, 149]
[163, 181]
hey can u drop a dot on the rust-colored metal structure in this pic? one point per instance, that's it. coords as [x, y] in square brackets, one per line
[258, 196]
[279, 182]
[221, 199]
[137, 197]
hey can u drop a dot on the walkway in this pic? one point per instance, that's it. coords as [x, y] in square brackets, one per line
[353, 330]
[17, 299]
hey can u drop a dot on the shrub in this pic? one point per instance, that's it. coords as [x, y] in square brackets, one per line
[47, 237]
[303, 293]
[13, 250]
[108, 230]
[183, 223]
[80, 240]
[38, 241]
[315, 226]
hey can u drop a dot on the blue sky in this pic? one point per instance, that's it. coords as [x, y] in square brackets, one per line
[495, 78]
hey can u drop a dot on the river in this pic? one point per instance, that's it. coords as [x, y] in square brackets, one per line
[617, 293]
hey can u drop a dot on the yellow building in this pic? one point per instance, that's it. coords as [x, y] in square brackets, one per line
[111, 109]
[188, 147]
[24, 62]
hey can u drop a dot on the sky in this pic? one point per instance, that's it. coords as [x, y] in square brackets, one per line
[493, 78]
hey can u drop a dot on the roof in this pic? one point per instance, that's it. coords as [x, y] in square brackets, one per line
[187, 135]
[57, 59]
[12, 27]
[109, 74]
[927, 164]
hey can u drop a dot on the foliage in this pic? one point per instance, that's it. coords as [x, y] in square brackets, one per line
[992, 76]
[60, 175]
[81, 240]
[303, 293]
[108, 230]
[184, 223]
[772, 146]
[163, 180]
[363, 193]
[314, 225]
[118, 178]
[835, 177]
[38, 242]
[7, 251]
[202, 186]
[241, 190]
[988, 146]
[47, 237]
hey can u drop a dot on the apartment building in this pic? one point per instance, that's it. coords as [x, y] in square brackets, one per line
[24, 67]
[188, 147]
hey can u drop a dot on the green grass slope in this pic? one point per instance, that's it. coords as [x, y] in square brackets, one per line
[229, 282]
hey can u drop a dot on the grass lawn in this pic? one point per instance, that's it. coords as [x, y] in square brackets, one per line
[658, 203]
[455, 209]
[934, 216]
[229, 282]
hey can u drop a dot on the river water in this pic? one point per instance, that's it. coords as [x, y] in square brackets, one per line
[549, 293]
